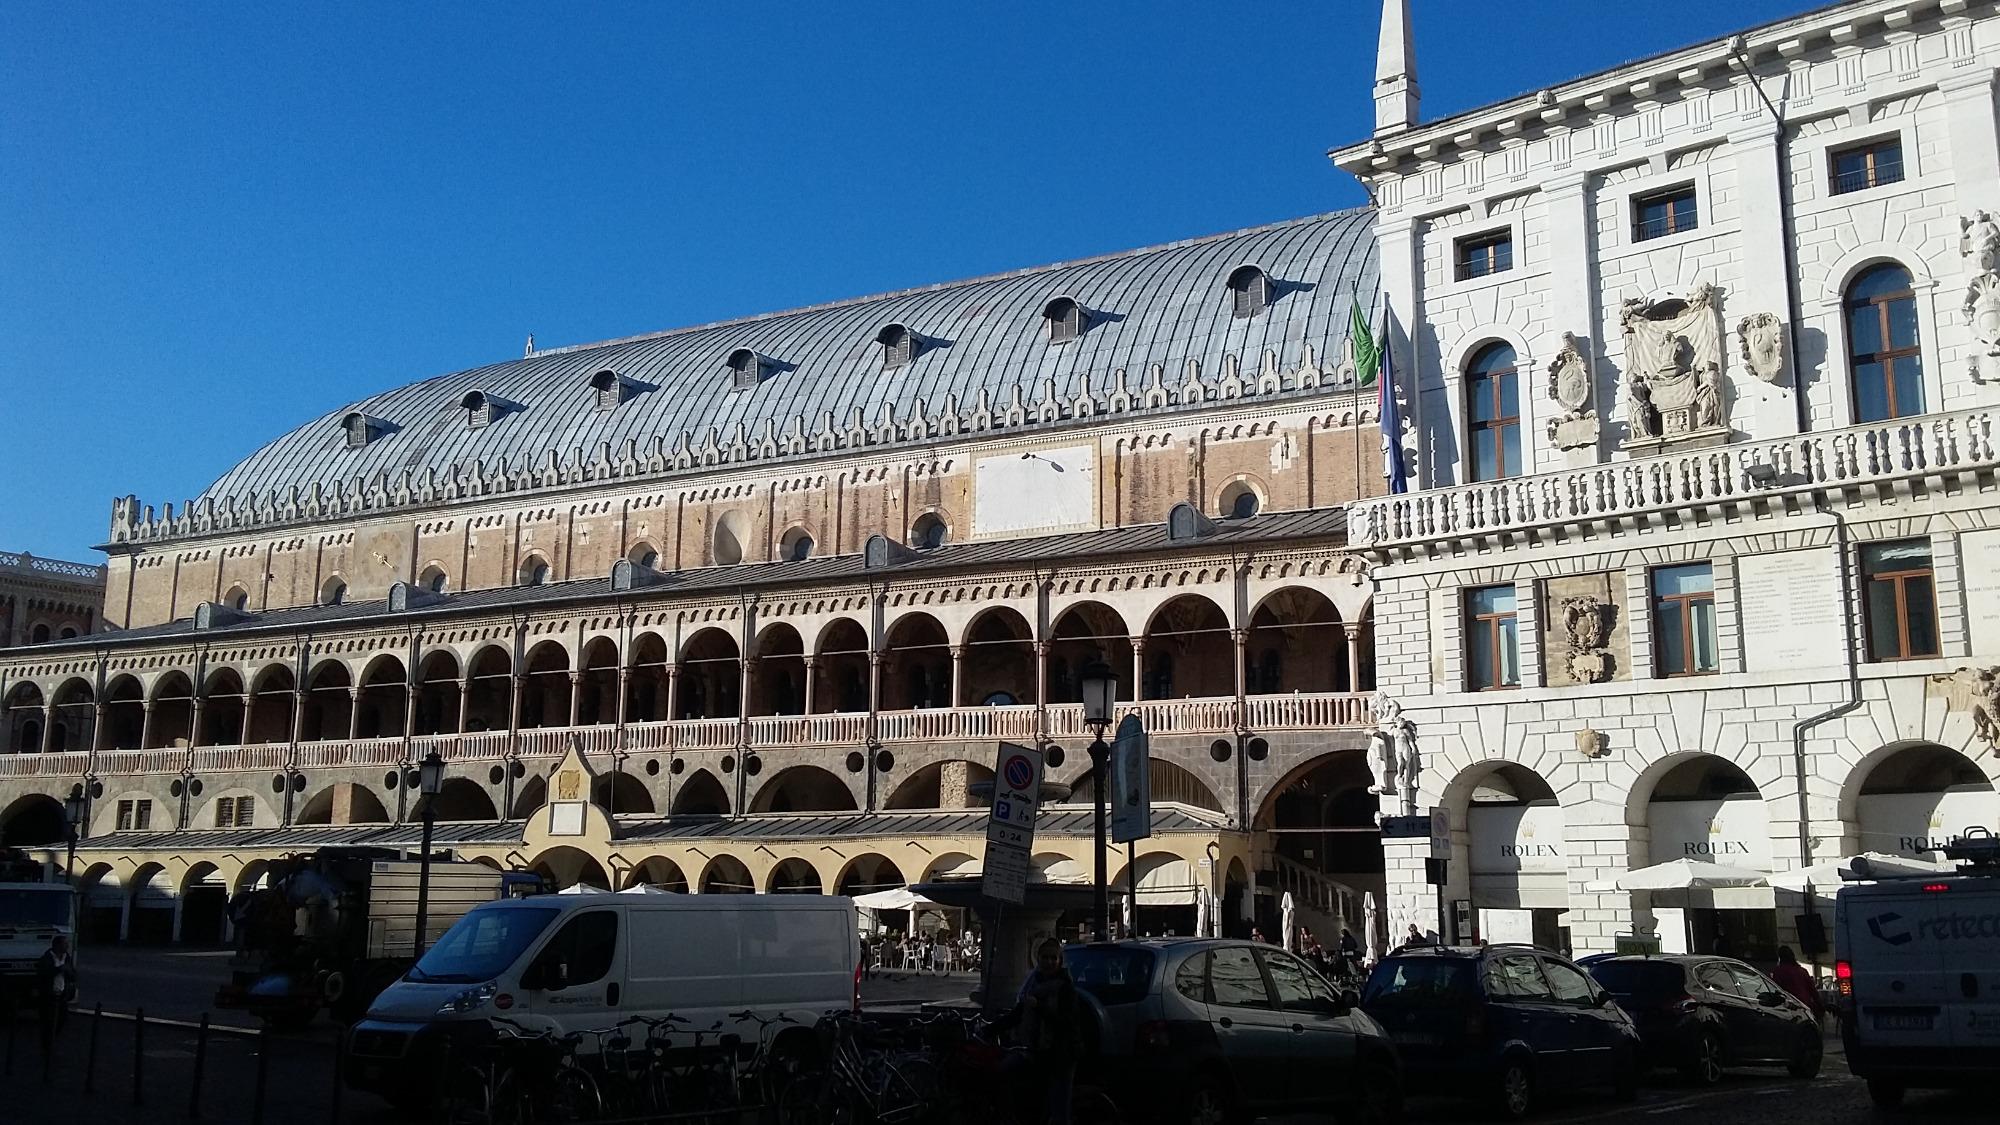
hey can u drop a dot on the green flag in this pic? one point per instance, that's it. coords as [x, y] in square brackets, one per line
[1367, 354]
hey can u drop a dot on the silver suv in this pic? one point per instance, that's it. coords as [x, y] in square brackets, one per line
[1211, 1031]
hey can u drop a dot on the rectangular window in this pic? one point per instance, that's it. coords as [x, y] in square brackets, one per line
[1491, 639]
[1661, 213]
[246, 812]
[1684, 620]
[135, 816]
[1870, 164]
[1484, 254]
[125, 816]
[225, 812]
[1899, 597]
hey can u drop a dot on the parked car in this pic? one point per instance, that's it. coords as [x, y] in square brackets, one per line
[1700, 1014]
[1506, 1023]
[1207, 1031]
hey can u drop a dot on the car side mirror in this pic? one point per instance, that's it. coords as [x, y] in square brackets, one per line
[1601, 1000]
[1350, 999]
[1771, 999]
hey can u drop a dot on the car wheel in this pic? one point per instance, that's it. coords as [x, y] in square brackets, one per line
[1805, 1064]
[1211, 1104]
[1885, 1093]
[1380, 1100]
[1514, 1095]
[1704, 1064]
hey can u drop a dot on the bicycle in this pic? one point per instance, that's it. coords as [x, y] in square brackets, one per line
[863, 1082]
[978, 1064]
[527, 1076]
[769, 1070]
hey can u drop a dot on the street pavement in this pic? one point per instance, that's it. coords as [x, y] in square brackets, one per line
[156, 1081]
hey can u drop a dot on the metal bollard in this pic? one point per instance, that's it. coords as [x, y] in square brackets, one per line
[90, 1055]
[263, 1076]
[139, 1057]
[200, 1064]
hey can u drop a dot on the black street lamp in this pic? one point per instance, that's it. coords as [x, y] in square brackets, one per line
[430, 778]
[1100, 691]
[75, 808]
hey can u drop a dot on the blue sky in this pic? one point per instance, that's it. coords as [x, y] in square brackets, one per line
[218, 221]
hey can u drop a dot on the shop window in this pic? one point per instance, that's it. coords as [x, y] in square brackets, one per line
[1491, 639]
[1684, 619]
[1899, 596]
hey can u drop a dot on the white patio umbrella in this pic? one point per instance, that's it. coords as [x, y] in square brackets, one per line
[1691, 875]
[643, 889]
[1201, 914]
[1288, 915]
[582, 889]
[1125, 909]
[1371, 919]
[1869, 865]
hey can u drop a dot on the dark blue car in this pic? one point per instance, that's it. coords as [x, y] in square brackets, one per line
[1507, 1024]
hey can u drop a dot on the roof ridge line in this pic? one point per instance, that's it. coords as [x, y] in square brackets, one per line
[937, 287]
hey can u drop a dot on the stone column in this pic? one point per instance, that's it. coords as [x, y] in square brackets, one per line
[1240, 641]
[1042, 690]
[96, 728]
[48, 725]
[673, 671]
[957, 675]
[575, 697]
[1353, 630]
[298, 724]
[1138, 669]
[810, 675]
[146, 725]
[464, 700]
[249, 705]
[195, 711]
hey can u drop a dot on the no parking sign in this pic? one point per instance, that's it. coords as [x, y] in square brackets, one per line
[1010, 829]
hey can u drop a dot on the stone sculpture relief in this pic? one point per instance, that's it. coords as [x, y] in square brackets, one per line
[1979, 243]
[1569, 386]
[1585, 631]
[1673, 368]
[1394, 745]
[1761, 336]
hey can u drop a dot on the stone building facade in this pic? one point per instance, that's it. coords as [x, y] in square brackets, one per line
[1700, 557]
[780, 587]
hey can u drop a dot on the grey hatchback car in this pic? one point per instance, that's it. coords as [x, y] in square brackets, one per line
[1211, 1031]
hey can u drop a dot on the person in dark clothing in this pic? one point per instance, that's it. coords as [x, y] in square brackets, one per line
[1793, 978]
[1350, 953]
[1047, 1020]
[55, 987]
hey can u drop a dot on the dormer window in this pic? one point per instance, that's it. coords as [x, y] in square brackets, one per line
[360, 429]
[534, 571]
[928, 532]
[899, 346]
[747, 369]
[1065, 319]
[479, 409]
[1249, 292]
[611, 389]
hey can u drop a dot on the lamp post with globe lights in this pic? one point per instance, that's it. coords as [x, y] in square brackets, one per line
[1100, 689]
[430, 779]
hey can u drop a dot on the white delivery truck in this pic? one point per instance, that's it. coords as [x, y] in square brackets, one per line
[1918, 970]
[34, 910]
[583, 962]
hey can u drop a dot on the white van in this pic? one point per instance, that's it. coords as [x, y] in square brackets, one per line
[1918, 968]
[584, 962]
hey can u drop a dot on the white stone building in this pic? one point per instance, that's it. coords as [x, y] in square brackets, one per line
[1699, 364]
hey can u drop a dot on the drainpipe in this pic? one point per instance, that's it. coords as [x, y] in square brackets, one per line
[1793, 306]
[1851, 703]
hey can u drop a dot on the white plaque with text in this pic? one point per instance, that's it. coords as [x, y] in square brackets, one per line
[1790, 610]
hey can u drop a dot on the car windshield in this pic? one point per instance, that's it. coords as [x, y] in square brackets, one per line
[35, 907]
[1420, 982]
[1637, 978]
[1113, 974]
[481, 945]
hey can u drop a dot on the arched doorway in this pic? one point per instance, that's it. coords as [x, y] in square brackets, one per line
[795, 877]
[1169, 893]
[998, 664]
[1082, 633]
[204, 906]
[272, 699]
[710, 676]
[1702, 807]
[545, 689]
[385, 696]
[778, 678]
[597, 686]
[329, 704]
[916, 669]
[840, 673]
[1296, 643]
[803, 789]
[152, 898]
[173, 711]
[124, 713]
[562, 867]
[101, 909]
[1189, 652]
[646, 684]
[726, 875]
[1322, 818]
[1914, 799]
[25, 716]
[73, 725]
[489, 690]
[700, 795]
[661, 872]
[437, 694]
[1516, 863]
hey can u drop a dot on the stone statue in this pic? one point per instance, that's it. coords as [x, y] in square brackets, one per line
[1979, 240]
[1982, 310]
[1409, 766]
[1639, 406]
[1382, 748]
[1986, 707]
[1708, 398]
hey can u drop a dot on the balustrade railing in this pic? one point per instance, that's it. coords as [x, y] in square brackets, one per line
[1216, 715]
[1881, 451]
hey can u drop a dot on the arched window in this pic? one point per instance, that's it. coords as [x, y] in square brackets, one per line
[478, 409]
[1493, 407]
[1884, 356]
[534, 571]
[643, 554]
[928, 533]
[39, 635]
[434, 580]
[1249, 291]
[1240, 501]
[69, 633]
[899, 346]
[610, 389]
[333, 593]
[358, 429]
[237, 599]
[796, 546]
[1065, 320]
[746, 369]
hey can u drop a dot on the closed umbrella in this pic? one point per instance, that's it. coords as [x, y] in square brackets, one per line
[1288, 914]
[1371, 919]
[1201, 914]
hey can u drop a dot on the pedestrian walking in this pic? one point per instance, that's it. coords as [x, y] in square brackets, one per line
[55, 986]
[1047, 1020]
[1793, 978]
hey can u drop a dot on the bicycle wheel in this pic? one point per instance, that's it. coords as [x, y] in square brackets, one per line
[806, 1100]
[1088, 1106]
[467, 1098]
[908, 1091]
[574, 1096]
